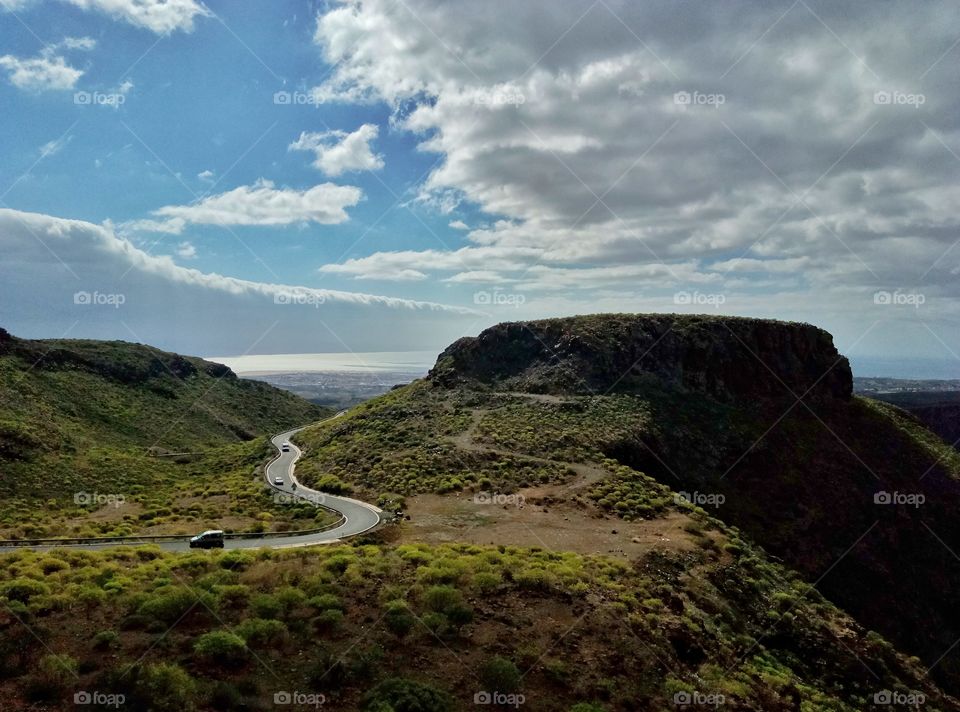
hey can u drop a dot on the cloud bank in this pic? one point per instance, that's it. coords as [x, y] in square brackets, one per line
[66, 274]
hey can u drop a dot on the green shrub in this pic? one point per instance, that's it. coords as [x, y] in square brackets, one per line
[500, 675]
[105, 639]
[261, 631]
[166, 687]
[441, 598]
[402, 695]
[329, 620]
[219, 646]
[174, 603]
[398, 619]
[23, 589]
[265, 605]
[326, 601]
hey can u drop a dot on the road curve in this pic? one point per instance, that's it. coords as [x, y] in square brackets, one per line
[358, 516]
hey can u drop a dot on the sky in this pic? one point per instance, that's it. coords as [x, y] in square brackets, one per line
[293, 177]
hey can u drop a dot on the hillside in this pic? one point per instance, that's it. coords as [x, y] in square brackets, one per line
[84, 421]
[615, 415]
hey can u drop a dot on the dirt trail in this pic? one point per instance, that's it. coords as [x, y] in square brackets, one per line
[544, 516]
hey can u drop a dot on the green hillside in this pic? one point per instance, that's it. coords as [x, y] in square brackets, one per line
[177, 438]
[661, 405]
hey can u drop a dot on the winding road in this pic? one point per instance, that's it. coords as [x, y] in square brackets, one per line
[358, 517]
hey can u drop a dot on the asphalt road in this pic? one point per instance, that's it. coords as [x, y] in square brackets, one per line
[358, 516]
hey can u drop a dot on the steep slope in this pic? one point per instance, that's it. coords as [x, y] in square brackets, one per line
[752, 419]
[79, 418]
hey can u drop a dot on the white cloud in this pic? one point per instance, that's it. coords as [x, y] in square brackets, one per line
[338, 151]
[54, 146]
[44, 73]
[47, 260]
[159, 16]
[49, 71]
[258, 204]
[186, 250]
[459, 225]
[207, 176]
[600, 178]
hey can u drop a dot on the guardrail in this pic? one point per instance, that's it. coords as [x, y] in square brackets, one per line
[161, 538]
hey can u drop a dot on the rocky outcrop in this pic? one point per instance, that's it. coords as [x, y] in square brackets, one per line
[728, 358]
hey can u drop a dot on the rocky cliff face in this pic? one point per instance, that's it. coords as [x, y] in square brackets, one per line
[728, 358]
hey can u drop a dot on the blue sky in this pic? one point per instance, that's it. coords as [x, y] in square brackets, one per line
[459, 164]
[204, 101]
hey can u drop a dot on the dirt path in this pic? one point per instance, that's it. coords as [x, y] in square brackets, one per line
[546, 516]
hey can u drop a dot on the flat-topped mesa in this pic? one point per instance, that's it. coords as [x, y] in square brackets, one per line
[730, 358]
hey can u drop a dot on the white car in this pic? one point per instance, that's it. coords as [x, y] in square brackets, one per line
[285, 447]
[278, 480]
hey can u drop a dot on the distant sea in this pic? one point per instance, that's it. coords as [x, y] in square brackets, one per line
[419, 362]
[920, 368]
[414, 362]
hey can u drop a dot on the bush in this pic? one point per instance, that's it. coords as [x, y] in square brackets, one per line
[326, 601]
[265, 605]
[401, 695]
[105, 639]
[171, 605]
[442, 598]
[398, 618]
[23, 589]
[219, 646]
[166, 687]
[260, 631]
[500, 675]
[329, 620]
